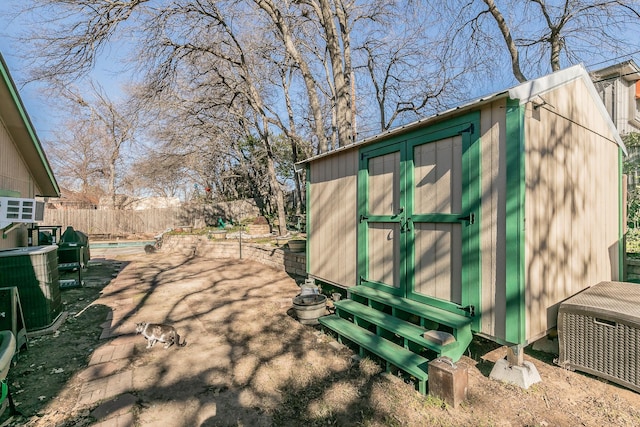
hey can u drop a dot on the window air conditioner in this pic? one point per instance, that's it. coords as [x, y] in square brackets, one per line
[14, 210]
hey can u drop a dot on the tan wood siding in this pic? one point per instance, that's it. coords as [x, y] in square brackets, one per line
[437, 188]
[384, 184]
[383, 240]
[438, 261]
[571, 203]
[14, 175]
[492, 214]
[384, 245]
[333, 219]
[15, 238]
[438, 174]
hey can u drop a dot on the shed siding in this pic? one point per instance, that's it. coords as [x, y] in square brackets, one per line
[14, 177]
[493, 231]
[332, 222]
[571, 206]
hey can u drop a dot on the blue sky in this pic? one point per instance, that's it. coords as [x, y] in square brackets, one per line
[42, 110]
[34, 104]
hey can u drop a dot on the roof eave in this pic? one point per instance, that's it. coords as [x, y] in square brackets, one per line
[524, 93]
[19, 125]
[527, 91]
[410, 126]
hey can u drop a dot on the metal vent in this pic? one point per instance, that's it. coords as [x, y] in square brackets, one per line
[599, 332]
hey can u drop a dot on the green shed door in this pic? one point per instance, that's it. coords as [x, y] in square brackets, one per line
[382, 239]
[419, 226]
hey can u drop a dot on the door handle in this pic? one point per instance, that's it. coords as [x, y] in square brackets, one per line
[471, 218]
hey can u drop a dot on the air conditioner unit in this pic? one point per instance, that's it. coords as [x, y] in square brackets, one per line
[599, 332]
[13, 210]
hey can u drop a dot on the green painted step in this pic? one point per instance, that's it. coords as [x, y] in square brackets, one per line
[400, 357]
[405, 329]
[459, 324]
[452, 320]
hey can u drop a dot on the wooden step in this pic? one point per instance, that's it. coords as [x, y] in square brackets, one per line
[407, 330]
[404, 359]
[459, 325]
[447, 318]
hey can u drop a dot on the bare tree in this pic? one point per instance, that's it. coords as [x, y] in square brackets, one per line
[227, 81]
[76, 162]
[337, 51]
[283, 28]
[220, 64]
[85, 28]
[409, 80]
[540, 36]
[110, 127]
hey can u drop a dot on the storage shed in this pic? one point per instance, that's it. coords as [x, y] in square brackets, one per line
[481, 219]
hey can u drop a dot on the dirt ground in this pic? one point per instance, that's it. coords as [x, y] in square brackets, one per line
[248, 362]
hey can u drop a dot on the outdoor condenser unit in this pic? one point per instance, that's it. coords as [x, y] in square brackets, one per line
[14, 209]
[599, 332]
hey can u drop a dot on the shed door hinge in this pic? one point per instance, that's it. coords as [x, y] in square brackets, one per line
[471, 128]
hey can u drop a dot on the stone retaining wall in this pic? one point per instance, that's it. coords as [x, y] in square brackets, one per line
[294, 263]
[633, 269]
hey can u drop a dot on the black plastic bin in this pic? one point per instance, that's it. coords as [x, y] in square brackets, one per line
[73, 248]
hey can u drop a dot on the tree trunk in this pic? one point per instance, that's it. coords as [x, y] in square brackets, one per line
[276, 189]
[506, 35]
[342, 87]
[307, 76]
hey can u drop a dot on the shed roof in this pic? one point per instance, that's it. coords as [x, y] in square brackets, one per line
[15, 117]
[524, 92]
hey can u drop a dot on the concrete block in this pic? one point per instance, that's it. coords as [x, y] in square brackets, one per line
[448, 381]
[523, 376]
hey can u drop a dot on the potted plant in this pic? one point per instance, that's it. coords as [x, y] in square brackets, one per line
[259, 226]
[297, 245]
[218, 234]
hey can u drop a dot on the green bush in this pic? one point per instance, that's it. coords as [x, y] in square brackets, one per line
[633, 242]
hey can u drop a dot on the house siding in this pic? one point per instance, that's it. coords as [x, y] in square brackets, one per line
[14, 178]
[14, 174]
[619, 98]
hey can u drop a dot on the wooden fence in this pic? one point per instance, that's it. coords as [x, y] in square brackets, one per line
[122, 223]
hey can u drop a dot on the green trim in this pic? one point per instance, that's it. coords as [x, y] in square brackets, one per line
[471, 250]
[9, 193]
[515, 316]
[27, 123]
[362, 246]
[363, 209]
[4, 390]
[308, 229]
[468, 128]
[621, 220]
